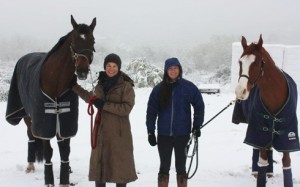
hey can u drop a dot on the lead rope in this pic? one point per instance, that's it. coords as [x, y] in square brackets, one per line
[195, 149]
[195, 152]
[94, 93]
[94, 126]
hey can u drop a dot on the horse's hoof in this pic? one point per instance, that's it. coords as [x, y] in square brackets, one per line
[64, 185]
[30, 168]
[49, 185]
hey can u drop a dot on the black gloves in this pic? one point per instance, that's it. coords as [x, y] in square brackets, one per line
[99, 103]
[196, 131]
[151, 138]
[73, 81]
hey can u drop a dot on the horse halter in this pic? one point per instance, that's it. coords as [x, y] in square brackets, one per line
[262, 70]
[76, 54]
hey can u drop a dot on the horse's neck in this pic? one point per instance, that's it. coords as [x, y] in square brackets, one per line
[57, 72]
[273, 88]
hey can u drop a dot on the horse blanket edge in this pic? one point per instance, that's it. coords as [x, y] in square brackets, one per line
[265, 129]
[50, 117]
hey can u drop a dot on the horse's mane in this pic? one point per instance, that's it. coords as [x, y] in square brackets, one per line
[60, 42]
[266, 55]
[82, 28]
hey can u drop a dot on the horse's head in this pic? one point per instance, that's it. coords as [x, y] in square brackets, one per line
[82, 47]
[251, 68]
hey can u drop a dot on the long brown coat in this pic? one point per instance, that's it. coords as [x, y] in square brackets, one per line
[112, 160]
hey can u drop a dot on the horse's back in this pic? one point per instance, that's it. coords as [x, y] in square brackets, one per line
[25, 76]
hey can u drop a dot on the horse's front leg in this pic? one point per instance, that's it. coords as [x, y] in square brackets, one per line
[64, 151]
[262, 167]
[48, 171]
[287, 170]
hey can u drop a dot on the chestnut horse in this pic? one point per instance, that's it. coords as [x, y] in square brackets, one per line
[269, 98]
[40, 92]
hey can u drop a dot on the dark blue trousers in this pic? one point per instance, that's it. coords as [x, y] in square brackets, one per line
[166, 145]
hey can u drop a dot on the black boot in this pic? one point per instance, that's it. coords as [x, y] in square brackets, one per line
[64, 173]
[270, 160]
[121, 185]
[48, 173]
[255, 155]
[31, 151]
[287, 177]
[261, 176]
[30, 156]
[99, 184]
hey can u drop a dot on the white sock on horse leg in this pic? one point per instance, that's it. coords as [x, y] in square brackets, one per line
[262, 162]
[286, 168]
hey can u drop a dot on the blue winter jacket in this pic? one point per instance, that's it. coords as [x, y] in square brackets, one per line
[175, 120]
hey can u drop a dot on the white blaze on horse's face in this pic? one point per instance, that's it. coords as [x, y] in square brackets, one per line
[82, 36]
[241, 91]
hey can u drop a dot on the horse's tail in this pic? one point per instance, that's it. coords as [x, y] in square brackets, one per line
[39, 153]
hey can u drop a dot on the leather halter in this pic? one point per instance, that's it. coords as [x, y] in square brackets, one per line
[262, 70]
[76, 54]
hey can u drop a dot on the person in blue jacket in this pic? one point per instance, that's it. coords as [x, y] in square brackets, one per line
[169, 106]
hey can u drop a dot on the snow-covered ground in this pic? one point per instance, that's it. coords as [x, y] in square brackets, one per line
[224, 160]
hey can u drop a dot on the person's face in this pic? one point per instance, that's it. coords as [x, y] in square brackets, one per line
[173, 72]
[111, 69]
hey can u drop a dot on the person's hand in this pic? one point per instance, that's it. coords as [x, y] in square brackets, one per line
[99, 103]
[73, 81]
[196, 131]
[151, 138]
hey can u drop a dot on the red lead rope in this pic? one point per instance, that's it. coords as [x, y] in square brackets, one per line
[94, 126]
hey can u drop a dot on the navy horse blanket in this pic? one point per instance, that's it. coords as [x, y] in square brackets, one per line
[50, 117]
[279, 130]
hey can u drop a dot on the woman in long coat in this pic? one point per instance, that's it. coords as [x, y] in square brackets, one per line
[112, 159]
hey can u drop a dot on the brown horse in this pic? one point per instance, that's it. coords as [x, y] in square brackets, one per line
[269, 98]
[41, 93]
[35, 147]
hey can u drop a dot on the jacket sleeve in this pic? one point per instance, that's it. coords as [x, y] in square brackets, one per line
[125, 106]
[198, 105]
[82, 93]
[152, 109]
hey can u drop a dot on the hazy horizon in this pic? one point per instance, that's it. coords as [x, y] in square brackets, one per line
[168, 23]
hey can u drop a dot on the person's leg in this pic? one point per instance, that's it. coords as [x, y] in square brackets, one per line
[180, 160]
[165, 147]
[180, 155]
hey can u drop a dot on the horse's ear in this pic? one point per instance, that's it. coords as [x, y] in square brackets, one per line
[244, 42]
[74, 23]
[260, 41]
[93, 24]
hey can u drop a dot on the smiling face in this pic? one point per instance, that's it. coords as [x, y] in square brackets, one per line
[111, 69]
[173, 72]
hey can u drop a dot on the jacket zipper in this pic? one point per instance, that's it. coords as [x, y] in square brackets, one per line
[172, 114]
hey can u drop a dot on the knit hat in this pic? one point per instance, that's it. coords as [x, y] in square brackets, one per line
[112, 58]
[171, 62]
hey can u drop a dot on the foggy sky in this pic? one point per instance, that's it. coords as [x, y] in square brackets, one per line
[154, 22]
